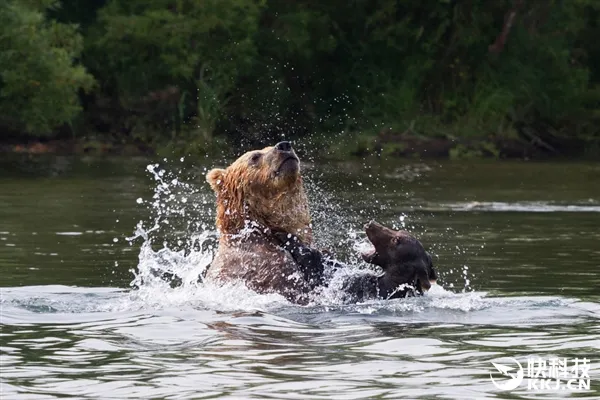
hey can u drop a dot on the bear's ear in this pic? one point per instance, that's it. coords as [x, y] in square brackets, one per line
[215, 178]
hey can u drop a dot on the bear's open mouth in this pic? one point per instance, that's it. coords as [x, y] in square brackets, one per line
[369, 254]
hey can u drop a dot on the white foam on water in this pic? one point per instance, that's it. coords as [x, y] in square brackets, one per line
[521, 206]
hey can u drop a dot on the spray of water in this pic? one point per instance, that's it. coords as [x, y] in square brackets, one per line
[178, 240]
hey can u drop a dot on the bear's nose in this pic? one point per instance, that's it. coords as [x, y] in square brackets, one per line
[284, 146]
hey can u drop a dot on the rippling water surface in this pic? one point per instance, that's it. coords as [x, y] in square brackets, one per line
[517, 246]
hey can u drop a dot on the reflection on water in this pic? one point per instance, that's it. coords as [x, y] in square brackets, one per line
[108, 343]
[526, 206]
[517, 246]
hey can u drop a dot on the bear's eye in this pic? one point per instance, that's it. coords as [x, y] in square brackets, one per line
[255, 157]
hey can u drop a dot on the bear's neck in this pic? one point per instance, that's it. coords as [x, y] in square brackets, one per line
[285, 211]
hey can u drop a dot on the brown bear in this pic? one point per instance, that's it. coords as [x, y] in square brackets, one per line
[260, 194]
[407, 268]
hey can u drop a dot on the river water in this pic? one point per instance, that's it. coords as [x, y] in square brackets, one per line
[516, 244]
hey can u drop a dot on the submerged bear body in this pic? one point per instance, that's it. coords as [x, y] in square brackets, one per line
[262, 265]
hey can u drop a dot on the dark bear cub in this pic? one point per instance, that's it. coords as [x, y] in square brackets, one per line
[403, 259]
[407, 268]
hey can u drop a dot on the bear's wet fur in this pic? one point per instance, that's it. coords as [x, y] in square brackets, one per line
[407, 268]
[259, 194]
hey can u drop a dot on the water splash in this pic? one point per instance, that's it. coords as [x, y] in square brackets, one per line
[178, 241]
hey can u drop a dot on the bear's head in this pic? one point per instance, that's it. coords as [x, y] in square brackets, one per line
[262, 187]
[401, 256]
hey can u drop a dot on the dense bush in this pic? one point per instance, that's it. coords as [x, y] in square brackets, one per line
[39, 75]
[182, 70]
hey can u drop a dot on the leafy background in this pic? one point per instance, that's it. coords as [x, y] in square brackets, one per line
[190, 74]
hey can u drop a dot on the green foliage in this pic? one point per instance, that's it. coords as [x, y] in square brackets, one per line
[39, 79]
[466, 152]
[183, 70]
[142, 48]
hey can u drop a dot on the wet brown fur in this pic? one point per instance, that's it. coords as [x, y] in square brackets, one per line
[260, 193]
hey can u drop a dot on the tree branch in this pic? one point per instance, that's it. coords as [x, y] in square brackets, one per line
[509, 20]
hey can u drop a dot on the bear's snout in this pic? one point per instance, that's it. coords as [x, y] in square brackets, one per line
[284, 146]
[286, 161]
